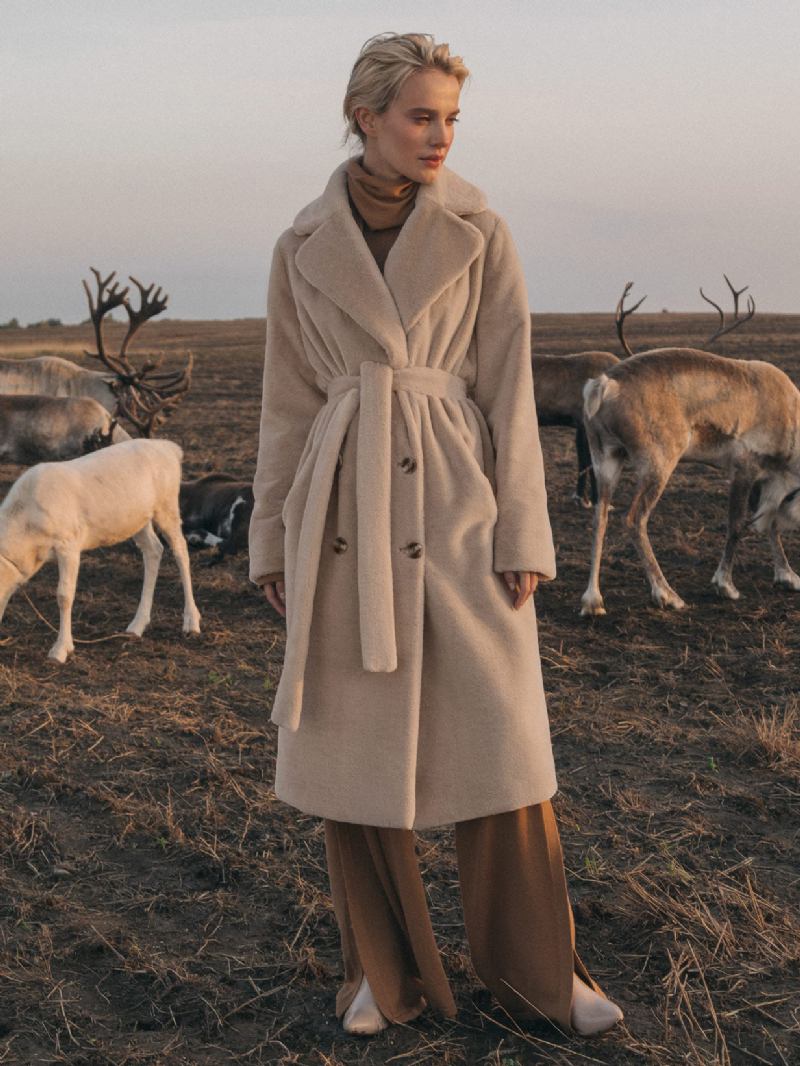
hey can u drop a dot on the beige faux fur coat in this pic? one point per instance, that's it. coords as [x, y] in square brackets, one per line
[399, 474]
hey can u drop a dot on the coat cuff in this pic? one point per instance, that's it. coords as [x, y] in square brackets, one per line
[511, 553]
[266, 547]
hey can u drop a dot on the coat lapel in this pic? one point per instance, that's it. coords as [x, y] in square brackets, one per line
[434, 247]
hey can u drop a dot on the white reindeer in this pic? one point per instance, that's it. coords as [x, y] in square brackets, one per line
[670, 405]
[61, 509]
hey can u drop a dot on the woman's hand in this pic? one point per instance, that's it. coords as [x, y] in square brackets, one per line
[275, 591]
[521, 584]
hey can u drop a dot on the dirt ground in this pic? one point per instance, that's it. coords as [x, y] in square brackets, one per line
[159, 906]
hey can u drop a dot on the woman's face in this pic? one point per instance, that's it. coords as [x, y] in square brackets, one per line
[411, 139]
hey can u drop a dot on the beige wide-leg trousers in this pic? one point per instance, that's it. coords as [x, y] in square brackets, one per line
[516, 912]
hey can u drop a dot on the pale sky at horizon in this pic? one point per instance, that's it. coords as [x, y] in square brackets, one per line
[174, 141]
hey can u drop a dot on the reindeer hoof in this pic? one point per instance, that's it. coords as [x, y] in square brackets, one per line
[592, 608]
[191, 623]
[787, 579]
[725, 589]
[582, 501]
[136, 629]
[59, 655]
[668, 598]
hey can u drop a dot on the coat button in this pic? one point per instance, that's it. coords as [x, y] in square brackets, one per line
[340, 545]
[413, 549]
[408, 464]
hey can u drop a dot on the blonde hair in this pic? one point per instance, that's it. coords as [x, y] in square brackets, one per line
[384, 63]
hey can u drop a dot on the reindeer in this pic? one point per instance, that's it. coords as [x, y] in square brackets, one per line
[558, 391]
[143, 395]
[215, 511]
[669, 405]
[559, 381]
[35, 429]
[48, 375]
[58, 510]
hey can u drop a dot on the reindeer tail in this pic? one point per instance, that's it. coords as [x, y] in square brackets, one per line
[595, 391]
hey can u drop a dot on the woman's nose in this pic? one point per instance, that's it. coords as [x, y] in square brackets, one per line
[440, 134]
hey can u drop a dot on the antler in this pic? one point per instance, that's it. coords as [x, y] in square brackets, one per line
[147, 309]
[146, 397]
[100, 308]
[751, 310]
[622, 314]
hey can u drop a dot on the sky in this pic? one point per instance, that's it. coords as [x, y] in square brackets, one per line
[175, 140]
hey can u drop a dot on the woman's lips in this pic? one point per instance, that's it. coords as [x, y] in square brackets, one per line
[431, 162]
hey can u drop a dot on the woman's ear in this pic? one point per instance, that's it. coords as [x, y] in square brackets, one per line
[366, 119]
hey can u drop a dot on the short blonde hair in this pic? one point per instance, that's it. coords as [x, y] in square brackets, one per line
[384, 63]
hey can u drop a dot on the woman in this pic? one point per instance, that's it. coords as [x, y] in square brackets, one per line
[400, 515]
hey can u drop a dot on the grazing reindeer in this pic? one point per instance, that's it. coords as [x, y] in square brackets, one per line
[672, 405]
[558, 391]
[35, 429]
[143, 395]
[61, 509]
[47, 375]
[215, 511]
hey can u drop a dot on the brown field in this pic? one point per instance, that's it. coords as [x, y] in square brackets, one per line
[159, 906]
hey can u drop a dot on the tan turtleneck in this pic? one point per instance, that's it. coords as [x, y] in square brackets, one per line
[380, 206]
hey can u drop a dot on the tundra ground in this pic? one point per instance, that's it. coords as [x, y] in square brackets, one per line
[159, 906]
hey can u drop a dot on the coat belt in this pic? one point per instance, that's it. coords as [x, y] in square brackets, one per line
[369, 391]
[376, 382]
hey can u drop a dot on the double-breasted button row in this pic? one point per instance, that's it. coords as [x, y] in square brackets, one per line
[412, 549]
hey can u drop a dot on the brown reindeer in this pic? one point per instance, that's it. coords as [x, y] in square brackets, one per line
[661, 407]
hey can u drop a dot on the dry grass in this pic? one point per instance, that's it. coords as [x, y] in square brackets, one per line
[159, 906]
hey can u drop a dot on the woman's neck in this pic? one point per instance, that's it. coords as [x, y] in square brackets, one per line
[382, 202]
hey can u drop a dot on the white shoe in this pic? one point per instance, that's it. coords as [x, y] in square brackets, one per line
[364, 1016]
[591, 1013]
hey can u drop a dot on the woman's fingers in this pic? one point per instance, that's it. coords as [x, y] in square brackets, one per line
[275, 591]
[521, 584]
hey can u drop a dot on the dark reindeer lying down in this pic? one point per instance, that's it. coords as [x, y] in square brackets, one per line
[215, 512]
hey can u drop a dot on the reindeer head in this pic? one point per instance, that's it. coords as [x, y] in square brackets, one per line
[776, 497]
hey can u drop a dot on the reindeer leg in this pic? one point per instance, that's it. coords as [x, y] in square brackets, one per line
[608, 472]
[784, 575]
[68, 564]
[651, 486]
[9, 587]
[585, 470]
[170, 524]
[741, 486]
[150, 546]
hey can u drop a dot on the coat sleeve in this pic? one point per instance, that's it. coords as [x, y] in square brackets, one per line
[503, 391]
[290, 402]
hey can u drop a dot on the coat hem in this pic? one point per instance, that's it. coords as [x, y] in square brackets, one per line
[315, 811]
